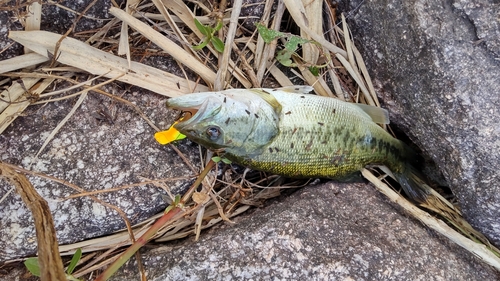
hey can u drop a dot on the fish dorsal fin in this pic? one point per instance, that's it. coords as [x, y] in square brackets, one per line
[377, 114]
[270, 99]
[301, 89]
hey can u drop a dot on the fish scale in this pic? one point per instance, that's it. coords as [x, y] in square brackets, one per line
[323, 137]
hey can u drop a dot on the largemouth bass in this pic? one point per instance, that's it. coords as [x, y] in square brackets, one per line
[289, 132]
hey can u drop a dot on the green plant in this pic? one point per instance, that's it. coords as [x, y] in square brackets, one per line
[217, 159]
[291, 45]
[209, 33]
[34, 267]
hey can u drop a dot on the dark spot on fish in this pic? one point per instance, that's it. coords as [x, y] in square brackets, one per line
[275, 90]
[309, 145]
[178, 85]
[294, 130]
[291, 145]
[296, 89]
[289, 112]
[302, 97]
[277, 150]
[256, 116]
[337, 159]
[324, 142]
[380, 145]
[224, 99]
[248, 112]
[394, 150]
[337, 131]
[321, 124]
[373, 143]
[271, 150]
[361, 141]
[227, 121]
[346, 136]
[334, 111]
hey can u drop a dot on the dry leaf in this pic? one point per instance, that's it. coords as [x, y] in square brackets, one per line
[78, 54]
[200, 198]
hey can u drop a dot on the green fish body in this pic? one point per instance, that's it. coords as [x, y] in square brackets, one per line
[323, 137]
[291, 133]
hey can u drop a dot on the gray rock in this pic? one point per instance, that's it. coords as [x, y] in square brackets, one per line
[54, 19]
[6, 24]
[93, 154]
[59, 20]
[91, 151]
[327, 232]
[253, 9]
[484, 15]
[436, 65]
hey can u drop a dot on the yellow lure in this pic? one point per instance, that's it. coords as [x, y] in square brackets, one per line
[170, 135]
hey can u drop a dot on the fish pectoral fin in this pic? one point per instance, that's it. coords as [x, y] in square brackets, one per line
[270, 99]
[377, 114]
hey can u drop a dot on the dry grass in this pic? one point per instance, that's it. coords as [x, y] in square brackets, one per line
[246, 62]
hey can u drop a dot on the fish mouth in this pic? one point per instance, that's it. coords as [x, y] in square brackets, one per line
[193, 112]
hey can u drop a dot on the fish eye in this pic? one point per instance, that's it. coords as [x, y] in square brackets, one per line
[213, 132]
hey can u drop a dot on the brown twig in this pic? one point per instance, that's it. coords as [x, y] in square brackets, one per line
[51, 266]
[87, 193]
[173, 213]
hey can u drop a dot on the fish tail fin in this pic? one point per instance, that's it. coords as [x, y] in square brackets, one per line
[413, 184]
[415, 187]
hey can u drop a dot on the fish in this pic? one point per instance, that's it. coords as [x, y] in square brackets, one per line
[289, 132]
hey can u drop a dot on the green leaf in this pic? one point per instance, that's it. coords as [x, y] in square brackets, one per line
[293, 43]
[224, 160]
[71, 278]
[314, 70]
[284, 57]
[177, 200]
[169, 208]
[202, 45]
[205, 30]
[174, 204]
[219, 25]
[33, 266]
[74, 260]
[268, 34]
[218, 44]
